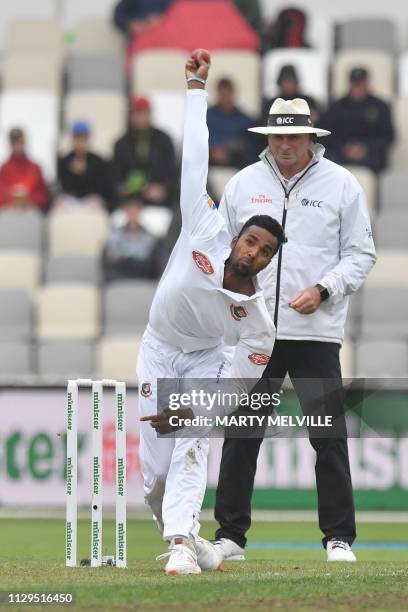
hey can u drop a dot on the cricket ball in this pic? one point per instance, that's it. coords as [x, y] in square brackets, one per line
[203, 53]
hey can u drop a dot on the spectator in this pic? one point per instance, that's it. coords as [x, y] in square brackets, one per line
[251, 11]
[289, 89]
[129, 251]
[135, 16]
[21, 180]
[144, 159]
[287, 31]
[361, 126]
[85, 178]
[227, 125]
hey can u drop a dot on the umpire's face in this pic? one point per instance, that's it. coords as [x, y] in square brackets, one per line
[290, 150]
[252, 251]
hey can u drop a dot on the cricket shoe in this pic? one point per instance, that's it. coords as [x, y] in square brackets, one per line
[207, 557]
[337, 550]
[182, 557]
[228, 550]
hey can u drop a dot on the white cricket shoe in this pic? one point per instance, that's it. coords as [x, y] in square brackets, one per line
[207, 557]
[182, 557]
[337, 550]
[228, 550]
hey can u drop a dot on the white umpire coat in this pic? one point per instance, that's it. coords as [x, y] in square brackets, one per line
[324, 214]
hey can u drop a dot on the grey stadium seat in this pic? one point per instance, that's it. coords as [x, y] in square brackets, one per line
[65, 359]
[382, 358]
[394, 191]
[391, 230]
[384, 312]
[375, 33]
[15, 315]
[76, 268]
[126, 306]
[21, 230]
[87, 72]
[15, 359]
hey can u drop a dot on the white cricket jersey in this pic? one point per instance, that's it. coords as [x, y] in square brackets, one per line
[191, 310]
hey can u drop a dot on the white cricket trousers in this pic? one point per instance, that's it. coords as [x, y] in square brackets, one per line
[174, 468]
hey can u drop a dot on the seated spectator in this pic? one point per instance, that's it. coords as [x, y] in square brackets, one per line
[129, 250]
[227, 125]
[21, 180]
[144, 159]
[251, 12]
[289, 88]
[361, 126]
[85, 179]
[288, 30]
[136, 16]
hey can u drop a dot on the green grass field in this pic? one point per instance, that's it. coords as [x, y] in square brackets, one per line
[32, 560]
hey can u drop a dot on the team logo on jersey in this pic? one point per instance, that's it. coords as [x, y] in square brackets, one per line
[211, 204]
[259, 358]
[202, 262]
[238, 312]
[146, 389]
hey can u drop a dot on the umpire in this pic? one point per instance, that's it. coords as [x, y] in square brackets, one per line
[327, 257]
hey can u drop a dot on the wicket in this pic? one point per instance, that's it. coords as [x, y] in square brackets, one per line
[97, 470]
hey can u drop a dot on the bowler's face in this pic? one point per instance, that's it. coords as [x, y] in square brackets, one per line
[290, 150]
[252, 251]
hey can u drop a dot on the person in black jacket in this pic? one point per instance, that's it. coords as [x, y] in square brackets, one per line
[85, 179]
[135, 16]
[361, 126]
[144, 160]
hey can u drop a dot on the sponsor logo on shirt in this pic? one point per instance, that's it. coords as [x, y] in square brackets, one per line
[259, 358]
[312, 203]
[211, 204]
[202, 262]
[260, 199]
[146, 389]
[238, 312]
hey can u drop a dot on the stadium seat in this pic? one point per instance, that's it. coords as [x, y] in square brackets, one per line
[347, 359]
[19, 269]
[37, 112]
[36, 36]
[218, 177]
[15, 360]
[368, 182]
[65, 359]
[165, 104]
[21, 229]
[399, 153]
[384, 309]
[394, 191]
[378, 63]
[126, 306]
[368, 33]
[390, 269]
[32, 71]
[73, 268]
[116, 358]
[311, 65]
[95, 36]
[391, 230]
[106, 111]
[68, 311]
[403, 74]
[146, 65]
[77, 232]
[376, 359]
[156, 219]
[15, 315]
[102, 72]
[76, 11]
[21, 9]
[244, 69]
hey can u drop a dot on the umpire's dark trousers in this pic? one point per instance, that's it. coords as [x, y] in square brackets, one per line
[302, 360]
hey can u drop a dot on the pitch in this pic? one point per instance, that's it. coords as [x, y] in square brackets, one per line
[285, 568]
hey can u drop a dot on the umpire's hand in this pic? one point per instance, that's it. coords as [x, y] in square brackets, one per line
[162, 423]
[306, 301]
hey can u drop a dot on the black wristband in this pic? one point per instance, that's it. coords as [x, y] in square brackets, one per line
[324, 294]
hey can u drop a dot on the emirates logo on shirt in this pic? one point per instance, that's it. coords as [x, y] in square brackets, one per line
[260, 199]
[202, 262]
[238, 312]
[259, 358]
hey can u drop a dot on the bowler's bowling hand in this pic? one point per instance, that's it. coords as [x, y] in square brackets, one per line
[169, 420]
[306, 301]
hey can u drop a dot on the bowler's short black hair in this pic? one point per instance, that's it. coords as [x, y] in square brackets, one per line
[266, 222]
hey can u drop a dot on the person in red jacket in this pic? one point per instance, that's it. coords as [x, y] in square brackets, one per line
[21, 180]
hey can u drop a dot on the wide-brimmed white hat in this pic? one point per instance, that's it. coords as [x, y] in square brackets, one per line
[289, 117]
